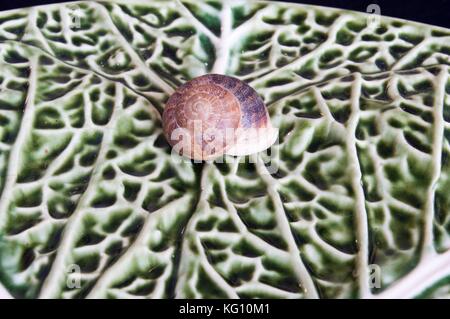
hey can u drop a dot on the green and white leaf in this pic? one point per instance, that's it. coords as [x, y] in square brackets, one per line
[87, 181]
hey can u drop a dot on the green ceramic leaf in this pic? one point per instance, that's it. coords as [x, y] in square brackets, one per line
[93, 205]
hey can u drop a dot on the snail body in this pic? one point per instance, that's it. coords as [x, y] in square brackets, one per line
[213, 115]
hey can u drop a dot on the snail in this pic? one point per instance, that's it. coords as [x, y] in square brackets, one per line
[213, 115]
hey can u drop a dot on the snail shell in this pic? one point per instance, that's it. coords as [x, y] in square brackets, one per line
[213, 115]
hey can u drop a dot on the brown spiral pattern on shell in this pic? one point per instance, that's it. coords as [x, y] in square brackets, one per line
[199, 115]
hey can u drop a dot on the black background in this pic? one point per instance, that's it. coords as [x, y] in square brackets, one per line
[435, 12]
[286, 309]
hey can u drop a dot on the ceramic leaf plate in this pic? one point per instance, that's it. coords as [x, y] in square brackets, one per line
[93, 206]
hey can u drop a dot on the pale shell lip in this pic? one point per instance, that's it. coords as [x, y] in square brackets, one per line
[250, 143]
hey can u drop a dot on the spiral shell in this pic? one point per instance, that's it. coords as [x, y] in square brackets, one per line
[213, 115]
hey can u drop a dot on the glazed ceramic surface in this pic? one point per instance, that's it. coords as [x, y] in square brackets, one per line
[93, 205]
